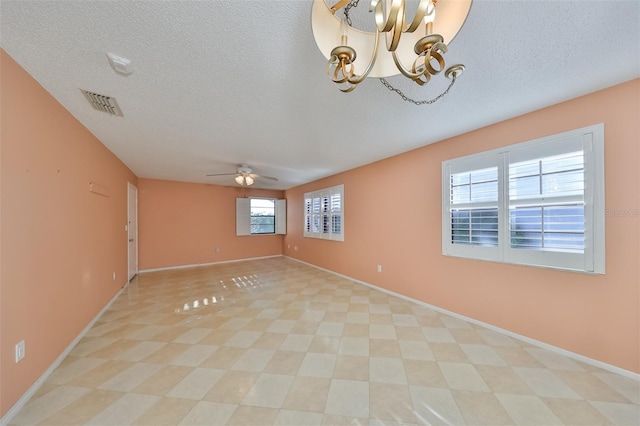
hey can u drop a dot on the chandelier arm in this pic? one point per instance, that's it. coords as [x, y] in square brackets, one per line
[421, 12]
[394, 25]
[404, 97]
[403, 70]
[360, 78]
[339, 5]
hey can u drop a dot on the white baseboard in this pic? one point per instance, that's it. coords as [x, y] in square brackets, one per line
[560, 351]
[36, 385]
[195, 265]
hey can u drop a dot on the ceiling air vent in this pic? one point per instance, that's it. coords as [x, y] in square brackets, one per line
[102, 103]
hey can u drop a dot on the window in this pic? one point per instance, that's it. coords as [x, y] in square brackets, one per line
[256, 216]
[538, 203]
[324, 213]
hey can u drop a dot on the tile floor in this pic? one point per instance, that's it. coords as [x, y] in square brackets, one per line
[273, 341]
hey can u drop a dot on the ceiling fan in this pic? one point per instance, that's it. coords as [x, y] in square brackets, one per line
[244, 175]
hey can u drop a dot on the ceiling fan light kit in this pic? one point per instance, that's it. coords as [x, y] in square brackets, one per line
[414, 49]
[244, 175]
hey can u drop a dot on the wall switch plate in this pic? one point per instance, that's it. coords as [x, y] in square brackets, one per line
[379, 268]
[20, 351]
[295, 248]
[114, 276]
[217, 249]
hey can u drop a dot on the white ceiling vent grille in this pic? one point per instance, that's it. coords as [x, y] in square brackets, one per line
[102, 103]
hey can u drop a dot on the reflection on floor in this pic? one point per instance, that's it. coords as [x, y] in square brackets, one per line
[273, 341]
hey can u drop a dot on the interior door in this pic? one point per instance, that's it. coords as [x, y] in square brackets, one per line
[132, 229]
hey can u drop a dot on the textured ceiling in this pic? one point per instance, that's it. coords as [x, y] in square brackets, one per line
[219, 83]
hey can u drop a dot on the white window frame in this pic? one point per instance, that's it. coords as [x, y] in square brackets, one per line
[243, 216]
[335, 210]
[589, 139]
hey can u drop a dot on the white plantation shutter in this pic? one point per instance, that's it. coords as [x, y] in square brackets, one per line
[281, 217]
[323, 214]
[243, 216]
[538, 203]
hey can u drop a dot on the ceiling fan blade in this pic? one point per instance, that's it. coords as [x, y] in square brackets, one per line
[223, 174]
[253, 175]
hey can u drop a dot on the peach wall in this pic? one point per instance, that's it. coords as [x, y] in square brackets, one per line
[183, 223]
[396, 222]
[60, 242]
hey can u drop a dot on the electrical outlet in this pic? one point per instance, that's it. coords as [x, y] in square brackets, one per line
[217, 249]
[295, 248]
[20, 351]
[114, 276]
[288, 246]
[379, 268]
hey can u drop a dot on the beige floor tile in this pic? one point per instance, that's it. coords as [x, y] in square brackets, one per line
[196, 384]
[100, 374]
[116, 348]
[317, 365]
[482, 355]
[166, 412]
[351, 367]
[194, 355]
[269, 390]
[88, 345]
[248, 415]
[330, 329]
[218, 337]
[206, 413]
[391, 402]
[617, 413]
[545, 383]
[503, 380]
[355, 330]
[387, 370]
[335, 420]
[462, 376]
[575, 412]
[68, 372]
[358, 346]
[48, 404]
[382, 331]
[163, 380]
[307, 394]
[243, 339]
[448, 352]
[589, 386]
[349, 398]
[516, 356]
[224, 358]
[384, 348]
[481, 408]
[167, 353]
[193, 336]
[285, 362]
[418, 350]
[435, 406]
[467, 335]
[232, 387]
[296, 343]
[625, 386]
[253, 360]
[424, 373]
[297, 418]
[84, 408]
[410, 333]
[126, 410]
[130, 378]
[269, 341]
[528, 410]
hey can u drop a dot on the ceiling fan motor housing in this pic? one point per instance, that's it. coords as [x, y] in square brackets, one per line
[245, 170]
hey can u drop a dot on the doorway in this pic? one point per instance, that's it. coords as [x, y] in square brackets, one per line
[132, 229]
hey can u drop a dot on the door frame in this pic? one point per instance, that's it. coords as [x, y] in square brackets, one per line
[132, 233]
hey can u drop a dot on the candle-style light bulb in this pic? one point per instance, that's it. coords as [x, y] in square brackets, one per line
[429, 18]
[344, 29]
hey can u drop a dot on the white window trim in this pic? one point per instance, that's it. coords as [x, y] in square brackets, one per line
[593, 260]
[243, 216]
[326, 192]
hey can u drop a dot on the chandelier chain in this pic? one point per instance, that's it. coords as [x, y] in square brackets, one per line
[413, 101]
[352, 3]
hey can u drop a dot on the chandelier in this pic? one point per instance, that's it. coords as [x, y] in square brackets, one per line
[414, 49]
